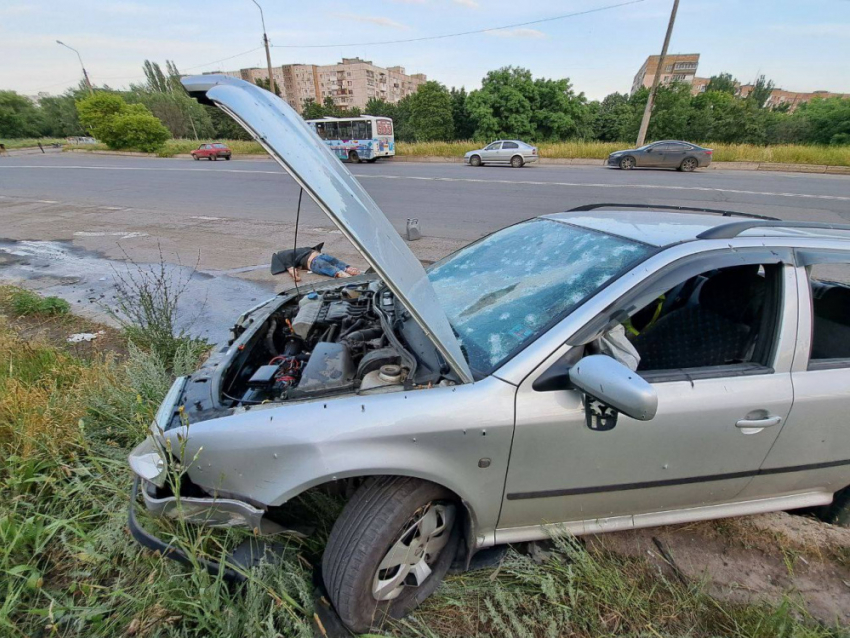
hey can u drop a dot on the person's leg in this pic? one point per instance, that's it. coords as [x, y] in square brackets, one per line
[351, 270]
[321, 265]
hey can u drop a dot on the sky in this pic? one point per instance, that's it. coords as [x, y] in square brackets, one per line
[802, 45]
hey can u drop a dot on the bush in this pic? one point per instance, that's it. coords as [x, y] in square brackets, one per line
[26, 302]
[142, 132]
[119, 125]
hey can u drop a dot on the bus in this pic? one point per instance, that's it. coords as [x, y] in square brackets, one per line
[357, 139]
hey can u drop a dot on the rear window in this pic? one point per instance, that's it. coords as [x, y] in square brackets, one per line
[510, 145]
[219, 146]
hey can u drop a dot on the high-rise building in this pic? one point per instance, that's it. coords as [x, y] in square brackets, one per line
[678, 67]
[350, 83]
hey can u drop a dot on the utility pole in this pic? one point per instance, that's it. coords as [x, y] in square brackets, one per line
[644, 123]
[85, 75]
[266, 42]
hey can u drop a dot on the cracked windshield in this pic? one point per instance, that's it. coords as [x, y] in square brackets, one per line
[499, 293]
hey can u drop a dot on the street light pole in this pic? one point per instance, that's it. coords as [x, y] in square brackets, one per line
[79, 57]
[644, 123]
[266, 43]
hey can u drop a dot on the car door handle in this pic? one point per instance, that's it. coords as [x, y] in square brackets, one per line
[759, 423]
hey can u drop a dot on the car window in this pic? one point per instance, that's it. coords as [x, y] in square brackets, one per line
[219, 146]
[716, 319]
[661, 147]
[510, 145]
[830, 288]
[493, 147]
[505, 290]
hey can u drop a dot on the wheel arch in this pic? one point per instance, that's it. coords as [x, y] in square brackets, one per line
[469, 515]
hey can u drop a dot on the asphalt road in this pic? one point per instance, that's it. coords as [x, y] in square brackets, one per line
[450, 200]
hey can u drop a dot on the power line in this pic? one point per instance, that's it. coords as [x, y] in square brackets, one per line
[459, 34]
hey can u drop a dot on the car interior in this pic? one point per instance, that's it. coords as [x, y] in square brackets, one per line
[831, 308]
[719, 318]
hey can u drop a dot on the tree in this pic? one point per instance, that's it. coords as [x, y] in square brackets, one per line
[311, 110]
[156, 80]
[264, 83]
[377, 106]
[671, 112]
[138, 131]
[827, 120]
[464, 128]
[225, 127]
[615, 118]
[723, 83]
[59, 114]
[19, 117]
[761, 92]
[502, 107]
[558, 113]
[431, 113]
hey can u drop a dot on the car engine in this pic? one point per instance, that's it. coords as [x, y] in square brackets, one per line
[327, 342]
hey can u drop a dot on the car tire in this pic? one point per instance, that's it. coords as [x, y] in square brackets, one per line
[688, 165]
[475, 160]
[517, 161]
[373, 160]
[353, 157]
[837, 512]
[627, 163]
[196, 158]
[227, 157]
[378, 519]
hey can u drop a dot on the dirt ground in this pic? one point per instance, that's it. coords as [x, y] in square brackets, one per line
[765, 558]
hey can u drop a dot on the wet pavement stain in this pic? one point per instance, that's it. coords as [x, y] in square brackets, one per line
[207, 308]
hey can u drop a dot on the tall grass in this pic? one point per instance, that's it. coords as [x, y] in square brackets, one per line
[579, 149]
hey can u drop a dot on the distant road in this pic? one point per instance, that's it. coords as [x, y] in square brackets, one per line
[450, 200]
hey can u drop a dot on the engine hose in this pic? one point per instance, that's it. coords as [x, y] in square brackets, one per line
[406, 358]
[270, 338]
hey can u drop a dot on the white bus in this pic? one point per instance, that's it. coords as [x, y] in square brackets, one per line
[357, 139]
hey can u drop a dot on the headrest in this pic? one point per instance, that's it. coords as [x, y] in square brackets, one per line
[732, 291]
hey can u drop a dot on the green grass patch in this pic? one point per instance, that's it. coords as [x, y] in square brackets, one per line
[578, 149]
[25, 303]
[574, 149]
[31, 142]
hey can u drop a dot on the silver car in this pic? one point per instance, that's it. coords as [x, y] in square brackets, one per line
[579, 372]
[683, 156]
[514, 153]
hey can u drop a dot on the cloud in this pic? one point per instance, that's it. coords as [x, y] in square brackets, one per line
[377, 20]
[472, 4]
[532, 34]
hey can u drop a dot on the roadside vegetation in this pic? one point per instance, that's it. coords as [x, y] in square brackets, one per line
[68, 567]
[742, 123]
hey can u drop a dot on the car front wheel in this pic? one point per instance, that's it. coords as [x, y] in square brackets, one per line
[195, 157]
[389, 550]
[627, 163]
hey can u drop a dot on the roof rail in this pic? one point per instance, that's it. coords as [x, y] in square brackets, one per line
[714, 211]
[733, 229]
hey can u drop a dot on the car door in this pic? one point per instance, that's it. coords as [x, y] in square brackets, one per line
[649, 157]
[658, 156]
[812, 453]
[509, 149]
[490, 153]
[674, 154]
[695, 452]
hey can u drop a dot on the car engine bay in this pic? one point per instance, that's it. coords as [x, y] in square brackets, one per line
[328, 342]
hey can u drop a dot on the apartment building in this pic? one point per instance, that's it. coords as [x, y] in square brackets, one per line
[350, 83]
[781, 97]
[678, 67]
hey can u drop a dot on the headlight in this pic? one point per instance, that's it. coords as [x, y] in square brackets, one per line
[148, 461]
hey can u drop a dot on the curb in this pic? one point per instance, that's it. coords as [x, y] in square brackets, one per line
[544, 161]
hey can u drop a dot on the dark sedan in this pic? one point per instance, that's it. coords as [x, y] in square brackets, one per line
[683, 156]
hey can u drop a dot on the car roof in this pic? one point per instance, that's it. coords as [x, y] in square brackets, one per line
[662, 228]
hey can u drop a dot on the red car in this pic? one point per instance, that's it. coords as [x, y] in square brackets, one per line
[211, 151]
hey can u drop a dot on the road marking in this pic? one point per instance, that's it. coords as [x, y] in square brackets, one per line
[46, 201]
[461, 179]
[207, 218]
[122, 234]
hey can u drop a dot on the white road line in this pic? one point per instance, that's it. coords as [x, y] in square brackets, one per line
[46, 201]
[466, 180]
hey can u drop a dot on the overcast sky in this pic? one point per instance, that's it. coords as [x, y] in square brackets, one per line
[801, 45]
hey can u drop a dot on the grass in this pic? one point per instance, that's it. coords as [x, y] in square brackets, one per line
[575, 149]
[31, 142]
[68, 567]
[25, 302]
[782, 153]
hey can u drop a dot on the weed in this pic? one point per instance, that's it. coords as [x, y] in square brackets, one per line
[147, 299]
[25, 302]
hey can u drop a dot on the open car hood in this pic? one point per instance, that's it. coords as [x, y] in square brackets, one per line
[296, 147]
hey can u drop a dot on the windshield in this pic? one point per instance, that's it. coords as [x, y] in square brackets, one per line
[503, 291]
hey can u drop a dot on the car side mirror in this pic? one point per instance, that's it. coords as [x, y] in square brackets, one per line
[610, 387]
[649, 150]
